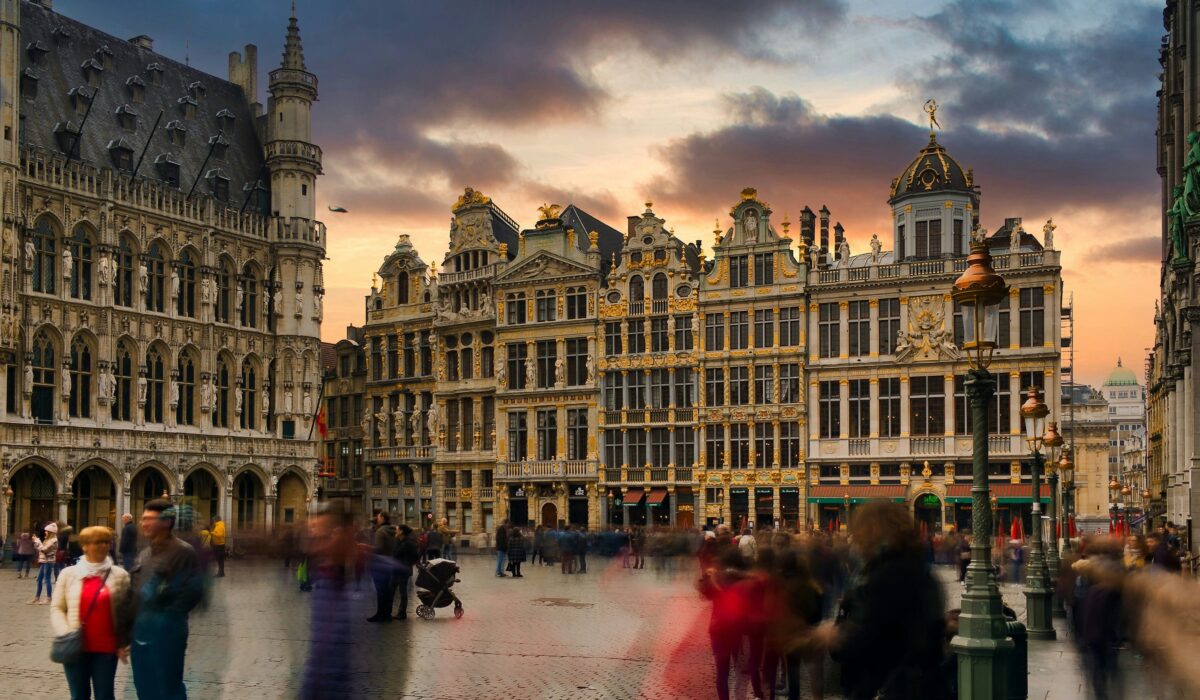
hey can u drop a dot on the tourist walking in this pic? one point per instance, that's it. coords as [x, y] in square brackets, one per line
[539, 540]
[25, 553]
[566, 549]
[329, 548]
[169, 583]
[501, 548]
[128, 546]
[47, 549]
[581, 549]
[516, 551]
[406, 557]
[95, 596]
[727, 624]
[435, 540]
[62, 556]
[639, 547]
[217, 531]
[383, 568]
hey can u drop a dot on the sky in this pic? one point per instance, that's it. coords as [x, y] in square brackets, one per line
[610, 104]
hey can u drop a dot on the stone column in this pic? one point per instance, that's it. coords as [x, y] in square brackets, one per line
[874, 409]
[843, 329]
[905, 422]
[844, 408]
[874, 316]
[1014, 317]
[269, 521]
[1050, 316]
[1014, 403]
[950, 407]
[61, 501]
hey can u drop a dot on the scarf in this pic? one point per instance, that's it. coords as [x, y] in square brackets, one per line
[95, 569]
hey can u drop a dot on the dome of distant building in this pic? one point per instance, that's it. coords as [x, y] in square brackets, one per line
[933, 170]
[1121, 376]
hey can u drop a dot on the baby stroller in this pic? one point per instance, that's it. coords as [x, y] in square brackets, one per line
[435, 579]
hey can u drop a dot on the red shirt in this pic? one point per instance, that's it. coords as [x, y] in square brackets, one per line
[99, 633]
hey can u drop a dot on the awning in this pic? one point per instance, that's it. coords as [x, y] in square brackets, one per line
[633, 497]
[858, 493]
[1007, 493]
[657, 496]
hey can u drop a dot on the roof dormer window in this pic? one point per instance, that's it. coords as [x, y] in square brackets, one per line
[176, 132]
[188, 106]
[225, 120]
[61, 34]
[121, 153]
[219, 146]
[66, 134]
[92, 70]
[36, 51]
[154, 71]
[127, 118]
[137, 88]
[168, 168]
[196, 90]
[81, 98]
[105, 56]
[29, 84]
[218, 183]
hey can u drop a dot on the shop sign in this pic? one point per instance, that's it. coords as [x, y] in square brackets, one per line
[929, 500]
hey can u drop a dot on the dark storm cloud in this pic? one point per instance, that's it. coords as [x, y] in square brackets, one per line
[1147, 249]
[1047, 123]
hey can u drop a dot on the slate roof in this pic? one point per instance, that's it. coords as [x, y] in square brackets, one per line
[69, 50]
[610, 241]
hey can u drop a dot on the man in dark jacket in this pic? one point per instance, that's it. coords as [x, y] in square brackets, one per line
[382, 568]
[406, 556]
[501, 548]
[581, 549]
[129, 543]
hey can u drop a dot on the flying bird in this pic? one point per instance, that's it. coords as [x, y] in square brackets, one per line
[338, 210]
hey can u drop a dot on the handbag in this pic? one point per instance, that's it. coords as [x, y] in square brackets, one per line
[67, 648]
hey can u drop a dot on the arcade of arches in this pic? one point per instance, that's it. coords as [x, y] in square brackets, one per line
[94, 497]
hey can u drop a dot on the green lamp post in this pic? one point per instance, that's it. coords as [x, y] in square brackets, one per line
[982, 643]
[1040, 624]
[1054, 442]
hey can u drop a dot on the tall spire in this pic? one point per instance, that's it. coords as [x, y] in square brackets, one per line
[293, 53]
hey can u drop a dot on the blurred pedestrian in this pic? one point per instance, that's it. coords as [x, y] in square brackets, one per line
[47, 551]
[94, 595]
[581, 548]
[516, 551]
[128, 545]
[566, 549]
[727, 623]
[1101, 615]
[501, 548]
[435, 540]
[539, 538]
[449, 551]
[218, 543]
[169, 583]
[406, 556]
[1016, 558]
[639, 547]
[25, 553]
[330, 548]
[62, 555]
[383, 568]
[963, 545]
[793, 610]
[890, 631]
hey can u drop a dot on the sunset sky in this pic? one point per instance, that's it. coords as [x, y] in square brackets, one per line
[608, 104]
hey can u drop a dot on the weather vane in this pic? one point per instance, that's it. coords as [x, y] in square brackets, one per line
[931, 108]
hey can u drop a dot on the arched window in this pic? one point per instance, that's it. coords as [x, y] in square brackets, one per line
[122, 405]
[81, 264]
[153, 485]
[249, 312]
[659, 286]
[246, 495]
[402, 288]
[44, 373]
[249, 393]
[221, 410]
[44, 237]
[185, 303]
[467, 357]
[123, 283]
[637, 289]
[225, 282]
[80, 404]
[185, 369]
[156, 271]
[155, 379]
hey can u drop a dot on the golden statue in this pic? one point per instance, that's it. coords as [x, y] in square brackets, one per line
[931, 108]
[550, 211]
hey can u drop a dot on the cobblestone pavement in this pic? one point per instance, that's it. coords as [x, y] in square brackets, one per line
[612, 633]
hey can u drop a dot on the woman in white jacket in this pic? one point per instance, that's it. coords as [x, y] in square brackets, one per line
[94, 594]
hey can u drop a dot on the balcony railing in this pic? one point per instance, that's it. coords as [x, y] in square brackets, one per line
[637, 308]
[658, 306]
[683, 474]
[547, 469]
[487, 492]
[927, 267]
[445, 278]
[927, 445]
[659, 415]
[887, 271]
[659, 475]
[860, 446]
[685, 415]
[399, 452]
[635, 475]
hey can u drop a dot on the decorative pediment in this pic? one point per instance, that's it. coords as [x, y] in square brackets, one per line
[543, 265]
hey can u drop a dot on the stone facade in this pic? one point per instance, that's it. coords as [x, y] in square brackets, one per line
[160, 318]
[345, 374]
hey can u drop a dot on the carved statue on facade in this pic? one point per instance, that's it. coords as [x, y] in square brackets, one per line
[241, 296]
[27, 388]
[502, 375]
[431, 418]
[365, 422]
[143, 279]
[142, 385]
[1191, 176]
[287, 400]
[237, 399]
[319, 306]
[206, 291]
[172, 393]
[1175, 218]
[174, 283]
[414, 422]
[397, 420]
[560, 371]
[843, 252]
[299, 302]
[591, 368]
[750, 224]
[530, 373]
[876, 248]
[207, 394]
[30, 254]
[67, 261]
[382, 419]
[66, 382]
[308, 403]
[1048, 234]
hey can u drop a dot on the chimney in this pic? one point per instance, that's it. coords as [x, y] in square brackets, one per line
[632, 222]
[839, 234]
[143, 42]
[244, 74]
[808, 226]
[824, 229]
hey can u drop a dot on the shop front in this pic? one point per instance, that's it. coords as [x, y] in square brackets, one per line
[831, 507]
[577, 505]
[789, 507]
[764, 507]
[739, 507]
[518, 506]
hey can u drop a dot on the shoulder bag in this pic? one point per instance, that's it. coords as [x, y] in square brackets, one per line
[67, 648]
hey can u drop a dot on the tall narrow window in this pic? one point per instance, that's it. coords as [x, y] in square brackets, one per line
[789, 326]
[764, 384]
[517, 354]
[764, 328]
[684, 339]
[790, 443]
[739, 386]
[714, 332]
[402, 288]
[249, 395]
[637, 337]
[185, 372]
[660, 388]
[764, 269]
[614, 392]
[927, 401]
[156, 273]
[185, 301]
[829, 330]
[789, 383]
[714, 387]
[577, 354]
[860, 328]
[739, 274]
[225, 282]
[889, 407]
[685, 390]
[546, 305]
[764, 444]
[577, 432]
[248, 313]
[44, 237]
[123, 282]
[739, 445]
[156, 374]
[1033, 314]
[739, 330]
[636, 383]
[81, 264]
[658, 334]
[45, 371]
[889, 325]
[123, 402]
[577, 302]
[80, 404]
[612, 338]
[223, 379]
[518, 436]
[547, 353]
[514, 308]
[830, 404]
[860, 408]
[547, 433]
[714, 445]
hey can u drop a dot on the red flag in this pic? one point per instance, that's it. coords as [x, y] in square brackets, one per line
[322, 428]
[1016, 529]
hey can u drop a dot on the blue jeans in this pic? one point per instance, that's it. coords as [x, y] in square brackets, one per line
[500, 557]
[24, 563]
[45, 573]
[92, 676]
[128, 559]
[157, 652]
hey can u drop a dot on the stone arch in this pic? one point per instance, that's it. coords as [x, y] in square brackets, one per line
[292, 492]
[147, 482]
[36, 485]
[204, 489]
[250, 491]
[95, 495]
[37, 461]
[109, 468]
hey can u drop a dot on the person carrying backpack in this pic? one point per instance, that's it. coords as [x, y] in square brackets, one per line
[383, 568]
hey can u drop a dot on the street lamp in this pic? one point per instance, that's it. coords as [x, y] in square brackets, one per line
[1067, 467]
[982, 643]
[1037, 587]
[846, 500]
[1053, 441]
